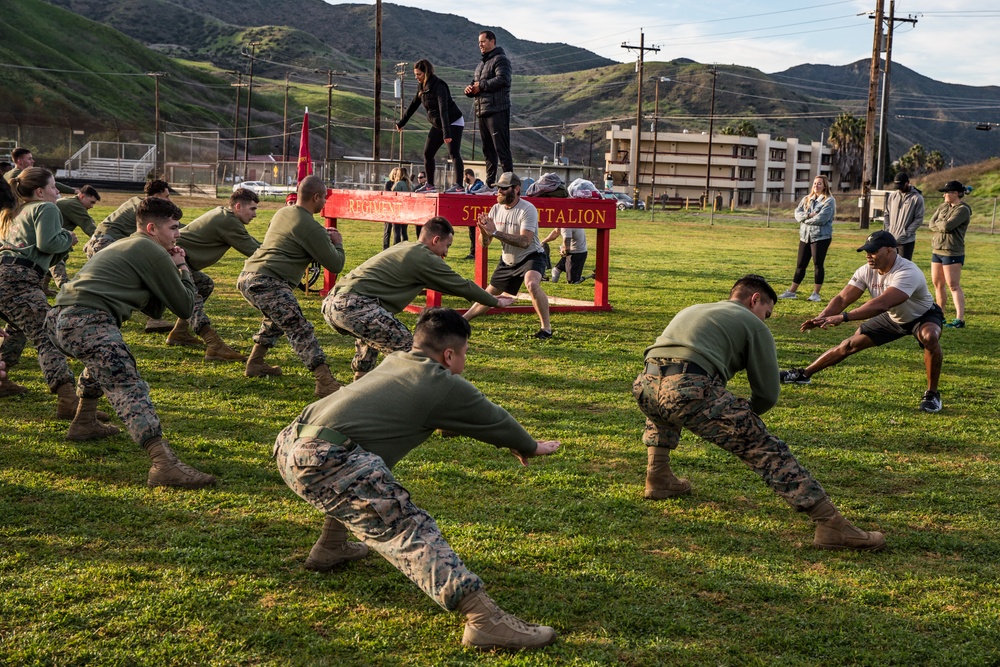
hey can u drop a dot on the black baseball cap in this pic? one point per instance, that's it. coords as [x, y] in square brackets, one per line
[952, 186]
[901, 177]
[879, 239]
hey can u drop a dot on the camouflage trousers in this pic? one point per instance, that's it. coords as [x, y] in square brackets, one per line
[97, 243]
[59, 275]
[356, 488]
[273, 297]
[374, 328]
[93, 337]
[204, 286]
[23, 306]
[705, 407]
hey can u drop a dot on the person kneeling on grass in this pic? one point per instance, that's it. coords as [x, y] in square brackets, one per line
[338, 453]
[146, 272]
[684, 386]
[901, 305]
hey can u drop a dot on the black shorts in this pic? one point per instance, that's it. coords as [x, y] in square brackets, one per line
[508, 278]
[881, 329]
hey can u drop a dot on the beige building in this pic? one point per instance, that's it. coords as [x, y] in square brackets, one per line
[744, 170]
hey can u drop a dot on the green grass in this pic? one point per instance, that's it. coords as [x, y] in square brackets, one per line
[97, 569]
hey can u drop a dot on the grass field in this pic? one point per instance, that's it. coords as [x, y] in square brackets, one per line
[96, 569]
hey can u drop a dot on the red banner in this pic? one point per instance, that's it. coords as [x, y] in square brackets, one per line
[305, 159]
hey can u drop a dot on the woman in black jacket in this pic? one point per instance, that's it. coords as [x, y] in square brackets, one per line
[445, 118]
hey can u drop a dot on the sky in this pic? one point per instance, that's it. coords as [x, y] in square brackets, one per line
[953, 40]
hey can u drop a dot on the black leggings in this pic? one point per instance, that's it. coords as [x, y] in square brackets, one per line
[434, 140]
[816, 250]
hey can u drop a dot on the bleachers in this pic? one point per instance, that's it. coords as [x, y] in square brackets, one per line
[112, 161]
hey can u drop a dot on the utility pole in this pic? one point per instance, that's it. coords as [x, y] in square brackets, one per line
[656, 131]
[642, 48]
[711, 128]
[329, 109]
[246, 137]
[883, 131]
[236, 116]
[377, 129]
[284, 128]
[866, 174]
[156, 127]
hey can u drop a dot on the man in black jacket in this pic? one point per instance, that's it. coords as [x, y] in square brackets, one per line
[490, 89]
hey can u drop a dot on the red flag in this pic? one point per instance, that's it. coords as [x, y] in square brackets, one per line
[305, 159]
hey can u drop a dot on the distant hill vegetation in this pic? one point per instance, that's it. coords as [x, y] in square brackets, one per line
[316, 34]
[559, 91]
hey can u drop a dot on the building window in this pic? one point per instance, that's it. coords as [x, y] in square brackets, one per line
[745, 151]
[744, 197]
[803, 157]
[825, 159]
[775, 174]
[747, 173]
[801, 174]
[777, 154]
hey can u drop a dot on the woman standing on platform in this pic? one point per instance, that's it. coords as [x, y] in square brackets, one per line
[446, 121]
[400, 179]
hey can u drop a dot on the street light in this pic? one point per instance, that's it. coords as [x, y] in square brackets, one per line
[711, 127]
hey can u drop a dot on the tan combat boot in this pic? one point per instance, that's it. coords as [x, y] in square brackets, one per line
[255, 364]
[154, 325]
[181, 335]
[11, 388]
[68, 404]
[326, 384]
[359, 374]
[332, 548]
[660, 480]
[86, 425]
[216, 349]
[835, 532]
[489, 627]
[168, 470]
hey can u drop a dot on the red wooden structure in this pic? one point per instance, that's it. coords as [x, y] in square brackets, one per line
[462, 210]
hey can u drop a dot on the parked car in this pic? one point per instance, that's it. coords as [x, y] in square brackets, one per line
[260, 187]
[624, 201]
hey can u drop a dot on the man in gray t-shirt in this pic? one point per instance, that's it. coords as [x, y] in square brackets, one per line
[514, 222]
[901, 305]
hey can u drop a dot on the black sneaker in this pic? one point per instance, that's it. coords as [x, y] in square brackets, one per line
[471, 255]
[793, 376]
[542, 334]
[931, 402]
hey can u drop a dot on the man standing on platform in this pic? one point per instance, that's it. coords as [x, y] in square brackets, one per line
[490, 90]
[205, 241]
[294, 239]
[514, 222]
[364, 303]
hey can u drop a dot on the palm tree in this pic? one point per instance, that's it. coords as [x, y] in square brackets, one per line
[847, 141]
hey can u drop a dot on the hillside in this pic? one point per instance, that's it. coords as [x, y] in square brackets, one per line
[579, 105]
[319, 35]
[938, 115]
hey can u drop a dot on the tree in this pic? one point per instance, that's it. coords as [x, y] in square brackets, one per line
[744, 128]
[847, 143]
[935, 161]
[914, 162]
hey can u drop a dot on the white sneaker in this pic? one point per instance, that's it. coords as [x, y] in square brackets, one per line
[814, 297]
[788, 294]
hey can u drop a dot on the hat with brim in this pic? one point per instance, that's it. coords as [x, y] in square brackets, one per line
[879, 239]
[952, 186]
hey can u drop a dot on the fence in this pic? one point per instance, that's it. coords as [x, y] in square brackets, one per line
[985, 210]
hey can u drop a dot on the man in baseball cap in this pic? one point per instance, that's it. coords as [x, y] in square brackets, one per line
[901, 305]
[904, 214]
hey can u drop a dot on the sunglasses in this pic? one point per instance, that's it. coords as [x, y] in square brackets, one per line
[504, 189]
